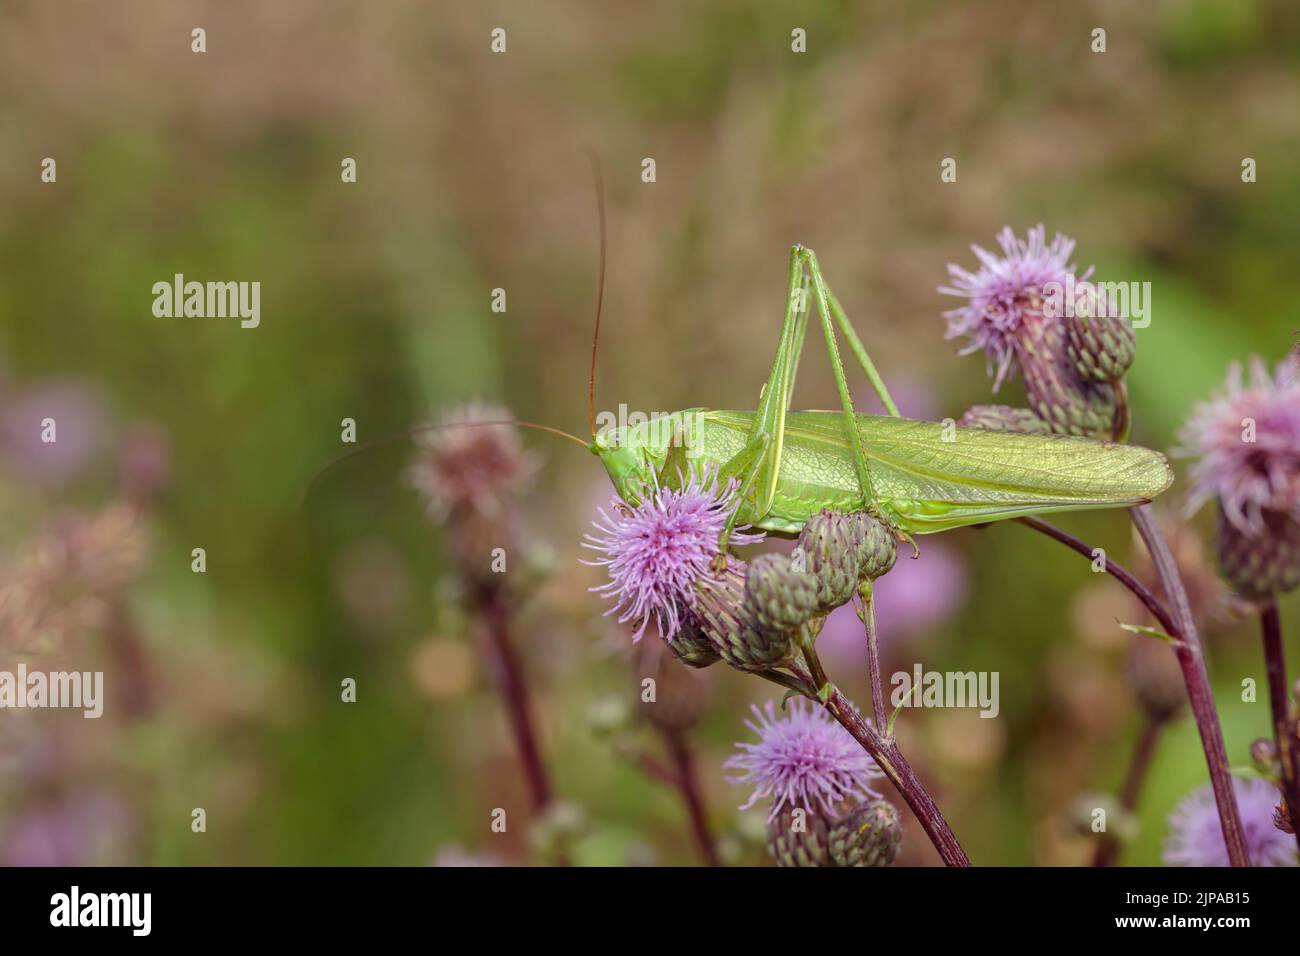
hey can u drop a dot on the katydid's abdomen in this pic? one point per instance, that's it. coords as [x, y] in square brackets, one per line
[926, 483]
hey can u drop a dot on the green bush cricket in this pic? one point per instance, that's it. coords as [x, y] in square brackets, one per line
[920, 477]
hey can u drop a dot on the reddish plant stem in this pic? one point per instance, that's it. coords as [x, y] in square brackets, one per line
[1179, 624]
[688, 785]
[1284, 731]
[514, 693]
[1115, 570]
[1197, 679]
[655, 770]
[867, 593]
[1139, 764]
[890, 760]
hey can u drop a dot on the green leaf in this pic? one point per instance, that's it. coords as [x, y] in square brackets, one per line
[889, 728]
[1149, 631]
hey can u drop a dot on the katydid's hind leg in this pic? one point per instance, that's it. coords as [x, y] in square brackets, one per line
[864, 359]
[855, 343]
[850, 418]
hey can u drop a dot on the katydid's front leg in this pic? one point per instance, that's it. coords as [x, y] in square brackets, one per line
[745, 466]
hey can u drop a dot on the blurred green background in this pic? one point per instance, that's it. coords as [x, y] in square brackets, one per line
[473, 175]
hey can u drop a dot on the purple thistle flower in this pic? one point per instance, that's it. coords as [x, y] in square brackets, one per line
[802, 759]
[1196, 836]
[1248, 477]
[655, 551]
[472, 468]
[1004, 290]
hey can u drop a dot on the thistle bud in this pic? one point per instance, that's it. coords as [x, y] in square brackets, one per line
[1156, 679]
[873, 544]
[727, 620]
[782, 599]
[829, 543]
[1263, 754]
[799, 838]
[1261, 565]
[692, 647]
[1099, 348]
[681, 695]
[1069, 404]
[1004, 418]
[870, 836]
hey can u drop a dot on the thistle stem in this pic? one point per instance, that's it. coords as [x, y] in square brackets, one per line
[873, 656]
[890, 760]
[688, 784]
[514, 693]
[1284, 732]
[654, 769]
[1178, 623]
[1197, 679]
[1139, 764]
[815, 670]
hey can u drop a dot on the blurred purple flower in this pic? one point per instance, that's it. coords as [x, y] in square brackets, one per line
[463, 464]
[912, 598]
[803, 759]
[80, 421]
[83, 829]
[1003, 290]
[1248, 477]
[915, 399]
[1196, 836]
[655, 551]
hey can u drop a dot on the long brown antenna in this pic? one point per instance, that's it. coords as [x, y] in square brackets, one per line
[600, 290]
[412, 432]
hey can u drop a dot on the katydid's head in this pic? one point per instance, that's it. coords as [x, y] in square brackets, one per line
[636, 454]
